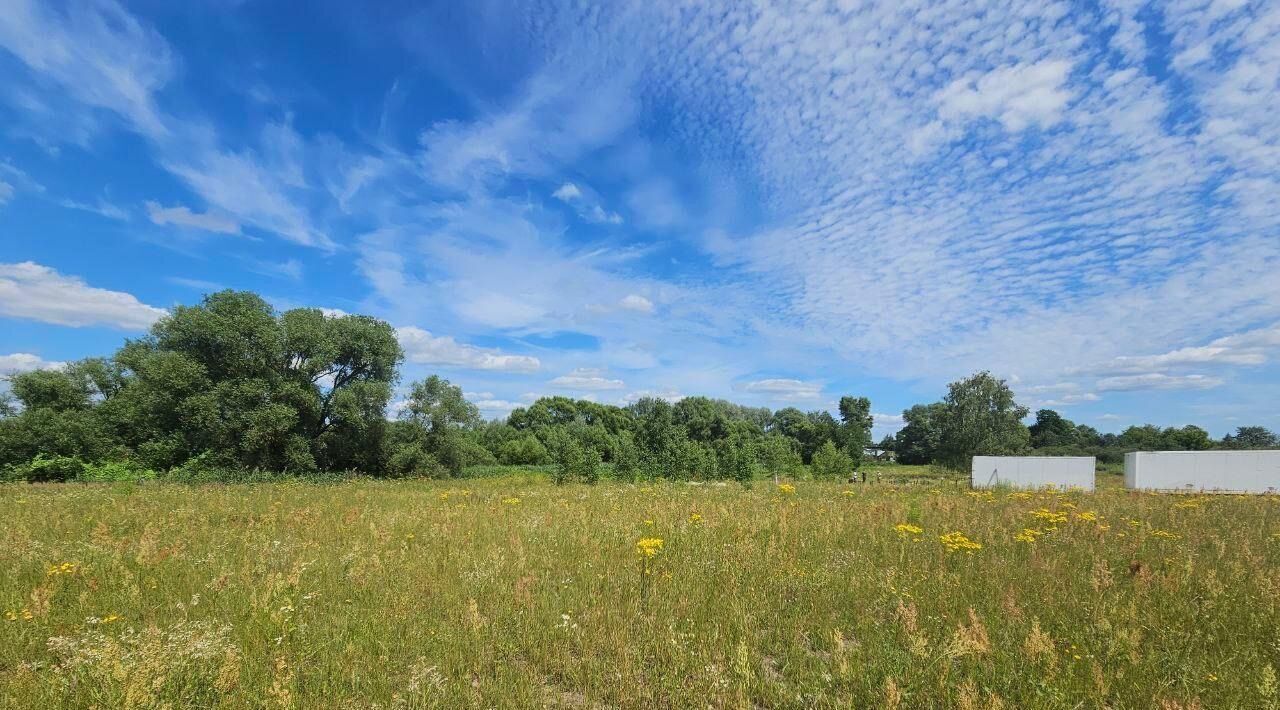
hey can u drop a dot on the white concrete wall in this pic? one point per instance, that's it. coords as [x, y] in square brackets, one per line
[1207, 471]
[1032, 471]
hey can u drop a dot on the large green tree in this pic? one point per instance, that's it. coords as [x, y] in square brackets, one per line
[232, 379]
[855, 427]
[920, 438]
[981, 417]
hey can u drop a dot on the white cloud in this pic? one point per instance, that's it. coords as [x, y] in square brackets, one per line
[883, 424]
[636, 302]
[490, 405]
[334, 312]
[14, 363]
[6, 192]
[1157, 381]
[30, 290]
[1066, 400]
[567, 192]
[784, 389]
[587, 379]
[420, 346]
[1247, 348]
[182, 216]
[1018, 96]
[587, 203]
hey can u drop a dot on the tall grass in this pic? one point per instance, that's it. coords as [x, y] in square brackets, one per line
[504, 592]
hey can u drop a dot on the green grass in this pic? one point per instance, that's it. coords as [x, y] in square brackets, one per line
[511, 592]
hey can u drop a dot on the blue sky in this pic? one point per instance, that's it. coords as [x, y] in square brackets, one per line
[777, 204]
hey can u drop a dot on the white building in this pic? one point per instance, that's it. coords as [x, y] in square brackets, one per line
[1203, 471]
[1033, 471]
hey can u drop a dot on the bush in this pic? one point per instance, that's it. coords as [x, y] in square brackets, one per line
[46, 469]
[830, 462]
[114, 471]
[414, 460]
[575, 462]
[525, 451]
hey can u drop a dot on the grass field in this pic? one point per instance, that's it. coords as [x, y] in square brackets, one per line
[510, 592]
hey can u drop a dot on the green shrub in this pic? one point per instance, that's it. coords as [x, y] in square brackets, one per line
[114, 471]
[830, 462]
[45, 469]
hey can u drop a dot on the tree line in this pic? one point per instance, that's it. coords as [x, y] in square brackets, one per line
[230, 386]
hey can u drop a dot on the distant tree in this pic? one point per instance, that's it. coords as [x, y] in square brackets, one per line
[1251, 437]
[1051, 429]
[702, 418]
[888, 443]
[1088, 436]
[1147, 437]
[526, 450]
[831, 462]
[1188, 438]
[626, 463]
[439, 410]
[856, 422]
[778, 455]
[659, 438]
[920, 438]
[981, 417]
[736, 458]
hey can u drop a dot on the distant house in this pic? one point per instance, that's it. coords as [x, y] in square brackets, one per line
[878, 454]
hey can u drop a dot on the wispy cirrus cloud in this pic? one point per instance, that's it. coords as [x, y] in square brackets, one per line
[109, 62]
[182, 216]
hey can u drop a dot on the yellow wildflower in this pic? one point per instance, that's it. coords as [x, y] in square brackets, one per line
[786, 489]
[958, 542]
[1028, 535]
[905, 529]
[695, 517]
[649, 547]
[511, 500]
[1050, 516]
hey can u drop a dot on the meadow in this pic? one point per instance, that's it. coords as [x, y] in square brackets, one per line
[507, 591]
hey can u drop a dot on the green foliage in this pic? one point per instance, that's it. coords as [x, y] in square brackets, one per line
[920, 438]
[832, 463]
[626, 461]
[855, 428]
[524, 451]
[737, 459]
[1051, 429]
[573, 461]
[980, 417]
[115, 472]
[230, 386]
[1251, 437]
[779, 455]
[48, 469]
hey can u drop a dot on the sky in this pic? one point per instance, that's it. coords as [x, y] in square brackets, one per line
[773, 203]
